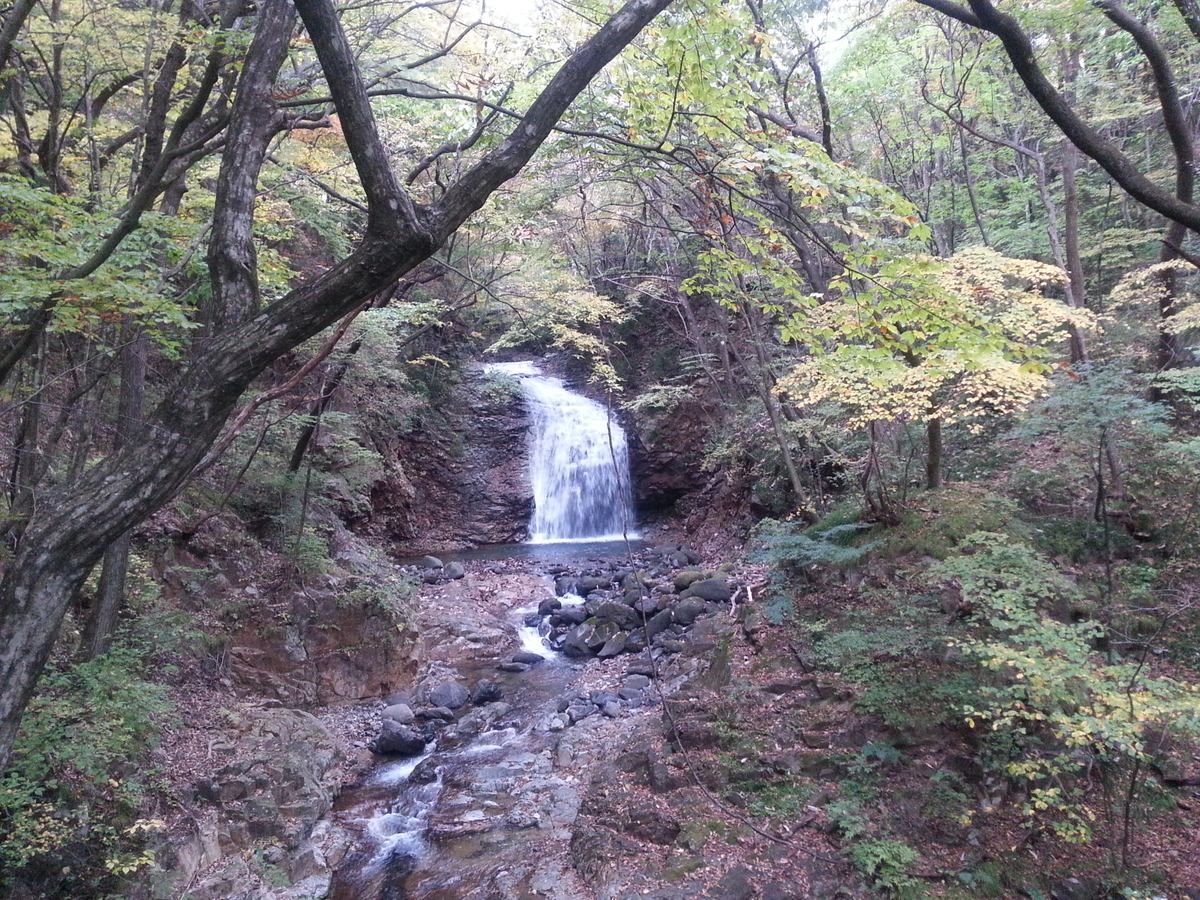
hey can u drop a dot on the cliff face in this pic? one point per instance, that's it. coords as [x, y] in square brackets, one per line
[459, 475]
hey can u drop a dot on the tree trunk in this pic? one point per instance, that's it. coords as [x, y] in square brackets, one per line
[933, 458]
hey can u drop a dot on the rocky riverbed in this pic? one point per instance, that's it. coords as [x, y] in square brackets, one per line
[554, 742]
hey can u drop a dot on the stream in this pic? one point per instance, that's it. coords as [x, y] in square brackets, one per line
[475, 815]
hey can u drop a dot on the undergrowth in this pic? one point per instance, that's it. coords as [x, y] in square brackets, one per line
[76, 817]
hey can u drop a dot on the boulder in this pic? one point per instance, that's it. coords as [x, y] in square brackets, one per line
[486, 691]
[401, 713]
[431, 562]
[528, 658]
[714, 589]
[449, 694]
[398, 740]
[569, 615]
[734, 885]
[616, 612]
[549, 605]
[578, 642]
[614, 646]
[688, 577]
[590, 583]
[565, 584]
[687, 611]
[454, 570]
[657, 624]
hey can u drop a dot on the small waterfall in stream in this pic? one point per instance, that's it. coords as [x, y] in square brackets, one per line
[578, 463]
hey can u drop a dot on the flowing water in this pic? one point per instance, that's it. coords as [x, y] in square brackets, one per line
[578, 462]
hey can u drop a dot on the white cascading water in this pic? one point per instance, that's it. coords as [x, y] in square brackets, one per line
[578, 463]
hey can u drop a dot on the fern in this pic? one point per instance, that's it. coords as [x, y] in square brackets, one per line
[787, 548]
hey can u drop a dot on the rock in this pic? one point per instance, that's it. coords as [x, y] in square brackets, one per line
[548, 606]
[590, 583]
[399, 697]
[629, 694]
[636, 681]
[714, 589]
[612, 709]
[650, 824]
[679, 558]
[579, 712]
[657, 624]
[528, 657]
[645, 606]
[778, 890]
[688, 577]
[400, 713]
[431, 562]
[616, 612]
[486, 691]
[569, 616]
[455, 570]
[734, 885]
[578, 642]
[516, 667]
[1075, 889]
[436, 713]
[398, 740]
[425, 772]
[449, 694]
[614, 646]
[565, 584]
[640, 669]
[687, 611]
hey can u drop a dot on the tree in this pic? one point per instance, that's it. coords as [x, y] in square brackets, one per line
[1177, 204]
[934, 341]
[72, 522]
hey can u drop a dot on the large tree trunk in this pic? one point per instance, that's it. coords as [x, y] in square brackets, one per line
[75, 522]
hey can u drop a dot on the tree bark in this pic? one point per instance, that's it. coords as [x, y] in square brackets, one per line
[77, 521]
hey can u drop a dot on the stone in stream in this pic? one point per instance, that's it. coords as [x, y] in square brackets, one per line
[528, 658]
[549, 605]
[516, 667]
[425, 772]
[398, 740]
[590, 583]
[570, 615]
[400, 713]
[449, 694]
[579, 641]
[565, 585]
[486, 691]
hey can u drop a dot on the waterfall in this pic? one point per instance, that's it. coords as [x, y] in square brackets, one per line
[578, 463]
